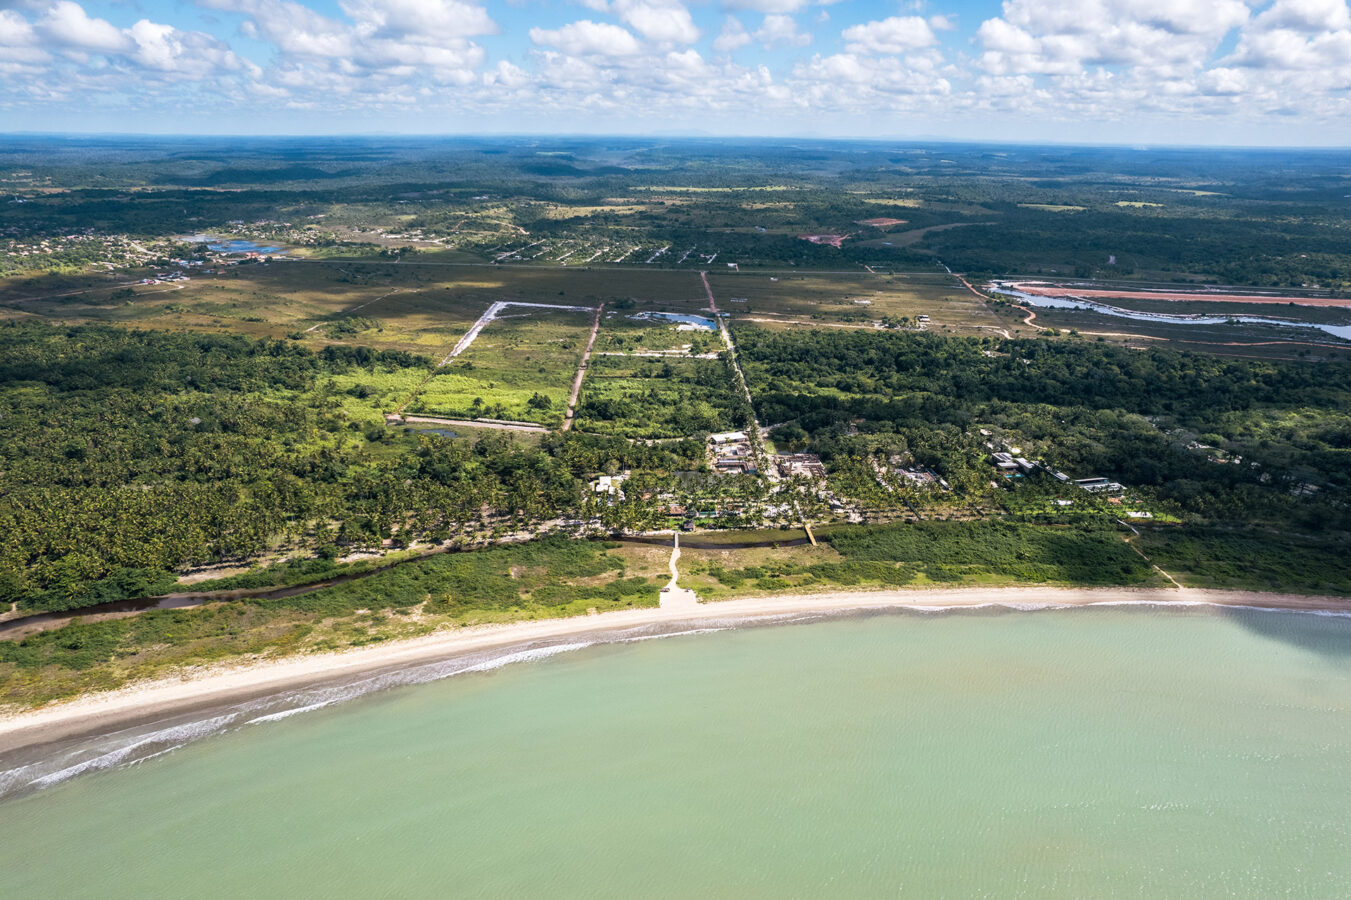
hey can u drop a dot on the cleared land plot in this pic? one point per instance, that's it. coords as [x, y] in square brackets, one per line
[519, 368]
[656, 398]
[383, 306]
[630, 331]
[411, 306]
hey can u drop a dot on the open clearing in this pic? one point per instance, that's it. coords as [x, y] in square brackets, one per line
[520, 369]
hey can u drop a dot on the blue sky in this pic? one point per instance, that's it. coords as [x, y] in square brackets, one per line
[1120, 71]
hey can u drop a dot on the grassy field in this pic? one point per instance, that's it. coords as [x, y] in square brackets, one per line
[835, 299]
[520, 367]
[930, 553]
[656, 398]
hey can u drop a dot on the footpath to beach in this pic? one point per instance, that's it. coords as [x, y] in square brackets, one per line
[218, 685]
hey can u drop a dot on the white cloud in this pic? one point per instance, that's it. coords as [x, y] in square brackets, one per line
[1308, 16]
[165, 48]
[419, 21]
[1062, 37]
[899, 34]
[733, 36]
[777, 31]
[767, 6]
[664, 21]
[587, 38]
[67, 24]
[15, 30]
[507, 75]
[1291, 35]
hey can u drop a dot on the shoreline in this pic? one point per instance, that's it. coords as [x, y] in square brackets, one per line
[236, 682]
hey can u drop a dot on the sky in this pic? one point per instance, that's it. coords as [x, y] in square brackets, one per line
[1148, 72]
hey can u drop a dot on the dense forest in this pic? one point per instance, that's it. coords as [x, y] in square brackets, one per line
[126, 455]
[1219, 438]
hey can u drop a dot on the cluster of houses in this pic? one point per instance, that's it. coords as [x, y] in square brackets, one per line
[731, 454]
[1011, 465]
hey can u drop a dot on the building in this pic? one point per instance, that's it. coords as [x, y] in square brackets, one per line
[921, 477]
[728, 437]
[808, 465]
[1097, 485]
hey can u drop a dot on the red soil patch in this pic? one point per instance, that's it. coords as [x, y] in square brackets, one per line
[832, 240]
[1046, 290]
[880, 223]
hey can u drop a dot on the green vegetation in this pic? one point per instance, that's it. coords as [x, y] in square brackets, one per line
[518, 368]
[127, 455]
[166, 407]
[550, 577]
[659, 398]
[952, 553]
[1200, 436]
[1251, 559]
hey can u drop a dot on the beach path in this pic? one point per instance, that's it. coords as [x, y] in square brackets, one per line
[673, 596]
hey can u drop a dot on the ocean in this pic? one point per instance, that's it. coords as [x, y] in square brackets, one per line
[1091, 752]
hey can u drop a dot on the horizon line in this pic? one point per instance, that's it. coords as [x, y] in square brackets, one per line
[920, 140]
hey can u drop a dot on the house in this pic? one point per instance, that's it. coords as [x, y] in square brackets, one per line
[921, 477]
[609, 484]
[1096, 485]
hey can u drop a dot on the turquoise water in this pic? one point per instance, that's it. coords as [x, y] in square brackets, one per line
[237, 246]
[1077, 753]
[679, 318]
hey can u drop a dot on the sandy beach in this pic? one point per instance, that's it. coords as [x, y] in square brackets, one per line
[224, 684]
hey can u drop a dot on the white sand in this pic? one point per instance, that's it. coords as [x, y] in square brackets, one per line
[221, 684]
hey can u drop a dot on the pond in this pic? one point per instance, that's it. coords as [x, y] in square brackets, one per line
[698, 322]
